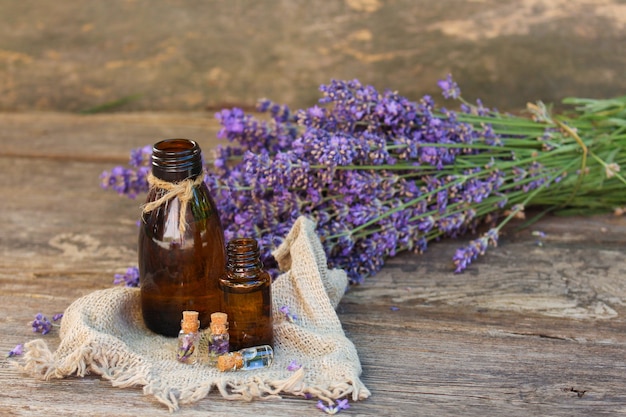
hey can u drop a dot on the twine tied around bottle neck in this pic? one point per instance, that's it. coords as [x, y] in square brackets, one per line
[182, 190]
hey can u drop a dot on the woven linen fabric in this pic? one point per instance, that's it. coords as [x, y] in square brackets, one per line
[103, 333]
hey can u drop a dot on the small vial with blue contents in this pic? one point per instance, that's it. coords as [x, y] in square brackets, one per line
[246, 359]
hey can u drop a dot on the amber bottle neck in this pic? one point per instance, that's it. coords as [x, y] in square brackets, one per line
[175, 160]
[243, 258]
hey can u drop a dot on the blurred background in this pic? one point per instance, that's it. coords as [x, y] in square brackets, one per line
[175, 55]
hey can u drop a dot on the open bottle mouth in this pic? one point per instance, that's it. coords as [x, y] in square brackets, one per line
[176, 159]
[243, 255]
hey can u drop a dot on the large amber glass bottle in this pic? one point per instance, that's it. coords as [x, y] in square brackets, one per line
[247, 299]
[180, 263]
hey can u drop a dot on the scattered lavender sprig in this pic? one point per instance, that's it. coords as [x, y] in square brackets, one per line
[381, 174]
[333, 408]
[41, 324]
[16, 351]
[293, 366]
[288, 315]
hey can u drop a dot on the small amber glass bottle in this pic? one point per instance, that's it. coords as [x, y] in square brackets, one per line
[181, 254]
[247, 299]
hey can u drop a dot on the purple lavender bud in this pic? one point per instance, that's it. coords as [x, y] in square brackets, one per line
[41, 324]
[130, 278]
[464, 256]
[332, 408]
[449, 88]
[16, 351]
[293, 366]
[140, 156]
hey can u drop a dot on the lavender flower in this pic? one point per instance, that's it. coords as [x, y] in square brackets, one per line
[381, 174]
[16, 351]
[293, 366]
[57, 317]
[333, 408]
[41, 324]
[279, 112]
[464, 256]
[290, 317]
[126, 181]
[255, 135]
[140, 157]
[130, 278]
[449, 87]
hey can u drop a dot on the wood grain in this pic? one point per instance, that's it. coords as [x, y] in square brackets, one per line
[175, 55]
[526, 330]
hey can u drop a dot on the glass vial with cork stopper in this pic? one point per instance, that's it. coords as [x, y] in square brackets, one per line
[188, 338]
[181, 240]
[245, 359]
[218, 336]
[246, 295]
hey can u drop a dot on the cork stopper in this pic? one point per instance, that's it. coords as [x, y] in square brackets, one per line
[190, 322]
[219, 318]
[219, 323]
[230, 361]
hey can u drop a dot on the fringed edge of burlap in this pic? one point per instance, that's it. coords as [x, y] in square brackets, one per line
[294, 385]
[89, 358]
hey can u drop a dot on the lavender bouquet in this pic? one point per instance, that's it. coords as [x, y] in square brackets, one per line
[382, 174]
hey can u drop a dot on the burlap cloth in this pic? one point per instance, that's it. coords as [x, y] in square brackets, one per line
[103, 333]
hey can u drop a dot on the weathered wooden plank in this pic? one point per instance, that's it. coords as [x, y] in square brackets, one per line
[507, 52]
[100, 137]
[527, 330]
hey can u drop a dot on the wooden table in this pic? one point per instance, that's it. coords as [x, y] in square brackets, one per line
[527, 330]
